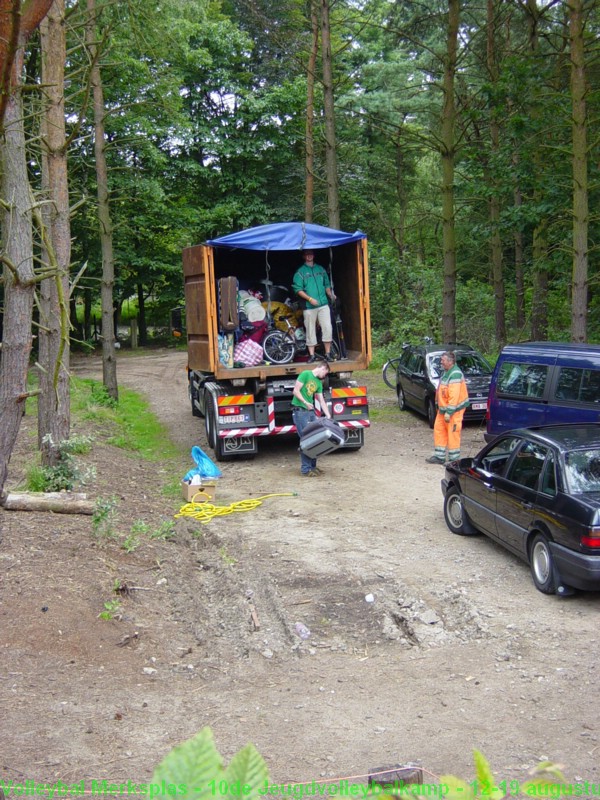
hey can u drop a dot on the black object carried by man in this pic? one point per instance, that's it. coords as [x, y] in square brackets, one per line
[321, 437]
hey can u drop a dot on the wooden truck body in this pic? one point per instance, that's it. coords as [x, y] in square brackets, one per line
[241, 404]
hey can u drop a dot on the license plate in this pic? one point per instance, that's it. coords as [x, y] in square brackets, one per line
[478, 406]
[236, 418]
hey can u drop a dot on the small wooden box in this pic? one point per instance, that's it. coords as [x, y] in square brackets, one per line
[198, 493]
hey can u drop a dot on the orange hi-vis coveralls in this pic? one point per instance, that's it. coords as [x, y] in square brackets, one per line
[452, 399]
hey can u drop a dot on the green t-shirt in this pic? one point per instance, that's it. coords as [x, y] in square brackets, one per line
[312, 280]
[311, 385]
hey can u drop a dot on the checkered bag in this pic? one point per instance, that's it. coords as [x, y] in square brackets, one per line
[248, 353]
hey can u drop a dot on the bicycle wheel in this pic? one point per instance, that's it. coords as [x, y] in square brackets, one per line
[278, 348]
[389, 372]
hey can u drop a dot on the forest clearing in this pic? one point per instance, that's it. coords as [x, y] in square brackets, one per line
[457, 651]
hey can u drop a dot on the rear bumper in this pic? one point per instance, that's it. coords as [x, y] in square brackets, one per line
[578, 570]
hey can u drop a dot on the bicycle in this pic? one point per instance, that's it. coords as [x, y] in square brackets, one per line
[281, 347]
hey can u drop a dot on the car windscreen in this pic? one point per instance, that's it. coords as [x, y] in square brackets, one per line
[470, 364]
[582, 470]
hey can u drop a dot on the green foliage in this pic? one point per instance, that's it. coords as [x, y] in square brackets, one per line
[112, 610]
[165, 531]
[136, 427]
[104, 516]
[67, 472]
[195, 766]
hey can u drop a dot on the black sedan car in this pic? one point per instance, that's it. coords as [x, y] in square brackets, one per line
[536, 491]
[415, 376]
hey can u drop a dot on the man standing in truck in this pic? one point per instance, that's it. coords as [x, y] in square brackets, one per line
[311, 283]
[307, 389]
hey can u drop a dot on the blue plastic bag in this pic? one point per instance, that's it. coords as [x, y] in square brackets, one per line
[204, 466]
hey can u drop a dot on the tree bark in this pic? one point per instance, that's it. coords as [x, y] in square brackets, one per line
[309, 203]
[539, 306]
[580, 174]
[15, 220]
[109, 360]
[448, 154]
[54, 418]
[494, 205]
[333, 198]
[57, 502]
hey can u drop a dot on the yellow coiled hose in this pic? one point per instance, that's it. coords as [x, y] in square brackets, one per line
[204, 512]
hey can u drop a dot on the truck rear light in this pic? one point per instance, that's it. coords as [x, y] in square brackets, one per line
[357, 401]
[591, 538]
[226, 411]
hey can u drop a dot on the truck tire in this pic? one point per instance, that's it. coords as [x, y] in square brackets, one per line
[193, 399]
[210, 421]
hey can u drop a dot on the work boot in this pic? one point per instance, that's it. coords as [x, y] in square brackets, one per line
[434, 460]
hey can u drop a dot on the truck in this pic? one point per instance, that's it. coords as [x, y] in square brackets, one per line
[242, 404]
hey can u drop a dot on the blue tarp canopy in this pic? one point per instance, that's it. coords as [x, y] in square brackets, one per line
[286, 236]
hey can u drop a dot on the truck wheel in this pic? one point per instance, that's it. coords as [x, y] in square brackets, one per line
[193, 400]
[210, 421]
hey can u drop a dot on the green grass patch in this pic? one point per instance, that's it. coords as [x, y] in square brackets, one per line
[133, 425]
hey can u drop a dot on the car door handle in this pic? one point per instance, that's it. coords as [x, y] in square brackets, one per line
[490, 488]
[524, 504]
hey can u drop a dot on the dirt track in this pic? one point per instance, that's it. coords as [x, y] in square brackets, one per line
[457, 650]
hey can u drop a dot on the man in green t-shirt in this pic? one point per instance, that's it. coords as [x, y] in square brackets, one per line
[311, 283]
[307, 389]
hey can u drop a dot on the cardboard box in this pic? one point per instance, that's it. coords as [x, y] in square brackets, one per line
[198, 493]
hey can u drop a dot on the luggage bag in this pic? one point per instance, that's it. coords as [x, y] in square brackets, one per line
[321, 437]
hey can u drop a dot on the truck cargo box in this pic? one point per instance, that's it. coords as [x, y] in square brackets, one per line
[205, 264]
[241, 404]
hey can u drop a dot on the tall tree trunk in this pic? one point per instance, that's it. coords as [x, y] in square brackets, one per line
[580, 175]
[18, 279]
[448, 154]
[495, 239]
[54, 418]
[310, 114]
[519, 261]
[539, 306]
[15, 216]
[109, 360]
[142, 326]
[333, 198]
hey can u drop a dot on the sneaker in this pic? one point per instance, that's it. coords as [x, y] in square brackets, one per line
[329, 357]
[311, 359]
[434, 460]
[312, 474]
[318, 470]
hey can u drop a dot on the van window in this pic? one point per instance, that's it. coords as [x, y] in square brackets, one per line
[582, 385]
[522, 380]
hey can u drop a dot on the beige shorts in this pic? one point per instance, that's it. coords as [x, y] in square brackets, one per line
[321, 315]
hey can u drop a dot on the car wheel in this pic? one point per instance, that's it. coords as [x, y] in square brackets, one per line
[455, 514]
[431, 413]
[401, 398]
[543, 568]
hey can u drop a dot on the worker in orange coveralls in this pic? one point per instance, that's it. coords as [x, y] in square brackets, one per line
[452, 399]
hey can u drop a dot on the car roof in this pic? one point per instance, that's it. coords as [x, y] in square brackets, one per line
[441, 348]
[572, 436]
[554, 348]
